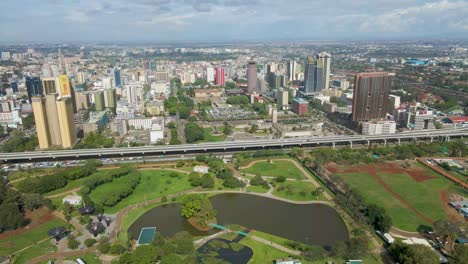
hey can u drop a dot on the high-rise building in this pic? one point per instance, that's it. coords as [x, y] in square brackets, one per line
[251, 77]
[33, 87]
[300, 106]
[370, 98]
[67, 125]
[292, 68]
[53, 120]
[109, 98]
[50, 85]
[65, 88]
[117, 77]
[317, 73]
[282, 99]
[81, 100]
[134, 95]
[220, 76]
[80, 77]
[98, 98]
[210, 74]
[40, 118]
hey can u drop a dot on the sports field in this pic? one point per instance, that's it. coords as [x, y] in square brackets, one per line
[413, 196]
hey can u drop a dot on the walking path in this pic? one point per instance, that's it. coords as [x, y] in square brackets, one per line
[72, 191]
[277, 246]
[202, 241]
[299, 166]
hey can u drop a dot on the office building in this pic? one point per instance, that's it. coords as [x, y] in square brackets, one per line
[384, 127]
[65, 118]
[40, 118]
[317, 73]
[210, 74]
[81, 100]
[65, 88]
[292, 68]
[107, 82]
[300, 106]
[251, 77]
[80, 77]
[33, 87]
[370, 97]
[50, 85]
[282, 98]
[134, 94]
[117, 77]
[220, 76]
[53, 120]
[98, 98]
[109, 98]
[162, 77]
[14, 87]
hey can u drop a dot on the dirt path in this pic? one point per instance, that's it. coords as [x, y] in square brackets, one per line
[451, 212]
[442, 172]
[72, 191]
[404, 234]
[401, 199]
[304, 172]
[272, 244]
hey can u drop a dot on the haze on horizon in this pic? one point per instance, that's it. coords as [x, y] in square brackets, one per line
[122, 21]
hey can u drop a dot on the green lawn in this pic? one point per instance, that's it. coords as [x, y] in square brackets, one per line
[36, 250]
[15, 243]
[153, 184]
[424, 196]
[275, 168]
[296, 190]
[257, 189]
[262, 253]
[208, 137]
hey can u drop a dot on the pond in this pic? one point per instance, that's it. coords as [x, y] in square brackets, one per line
[316, 224]
[228, 251]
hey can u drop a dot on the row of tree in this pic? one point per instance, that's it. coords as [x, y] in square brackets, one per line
[103, 177]
[124, 189]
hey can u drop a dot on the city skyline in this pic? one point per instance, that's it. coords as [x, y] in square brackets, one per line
[163, 21]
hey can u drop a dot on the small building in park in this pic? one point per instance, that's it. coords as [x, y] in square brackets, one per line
[72, 199]
[201, 169]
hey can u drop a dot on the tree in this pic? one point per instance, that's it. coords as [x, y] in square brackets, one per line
[253, 128]
[32, 201]
[207, 181]
[297, 152]
[67, 211]
[195, 179]
[379, 218]
[280, 179]
[448, 231]
[183, 242]
[72, 242]
[146, 254]
[227, 129]
[231, 182]
[413, 254]
[193, 132]
[170, 259]
[11, 216]
[258, 181]
[191, 205]
[460, 254]
[90, 242]
[318, 191]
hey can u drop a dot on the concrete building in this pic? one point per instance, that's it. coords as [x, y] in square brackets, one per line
[370, 97]
[341, 83]
[117, 77]
[119, 126]
[162, 77]
[67, 126]
[97, 122]
[210, 74]
[317, 73]
[50, 85]
[53, 120]
[282, 99]
[155, 107]
[98, 99]
[379, 127]
[292, 68]
[220, 76]
[251, 77]
[81, 100]
[134, 94]
[157, 131]
[109, 98]
[33, 87]
[300, 106]
[208, 92]
[40, 118]
[124, 110]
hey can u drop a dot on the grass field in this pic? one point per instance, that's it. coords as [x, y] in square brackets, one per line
[424, 196]
[153, 184]
[36, 250]
[297, 191]
[275, 168]
[15, 243]
[257, 189]
[262, 253]
[88, 258]
[208, 137]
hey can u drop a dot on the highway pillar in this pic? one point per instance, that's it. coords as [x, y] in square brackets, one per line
[333, 145]
[432, 139]
[399, 141]
[351, 144]
[385, 142]
[448, 138]
[368, 143]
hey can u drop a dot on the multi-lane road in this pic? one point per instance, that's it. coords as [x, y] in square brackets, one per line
[231, 146]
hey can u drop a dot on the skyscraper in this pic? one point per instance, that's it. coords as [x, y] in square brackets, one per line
[117, 78]
[210, 75]
[219, 76]
[98, 97]
[33, 87]
[317, 73]
[50, 85]
[292, 68]
[40, 118]
[81, 100]
[251, 77]
[370, 98]
[67, 126]
[53, 120]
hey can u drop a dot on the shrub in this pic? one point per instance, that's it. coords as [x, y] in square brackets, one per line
[117, 249]
[90, 242]
[280, 179]
[73, 243]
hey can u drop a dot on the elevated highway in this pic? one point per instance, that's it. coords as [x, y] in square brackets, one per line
[232, 146]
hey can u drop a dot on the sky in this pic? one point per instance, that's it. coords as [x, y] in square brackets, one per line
[224, 21]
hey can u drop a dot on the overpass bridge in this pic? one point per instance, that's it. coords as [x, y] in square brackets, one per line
[232, 146]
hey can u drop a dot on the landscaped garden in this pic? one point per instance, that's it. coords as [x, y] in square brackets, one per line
[275, 168]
